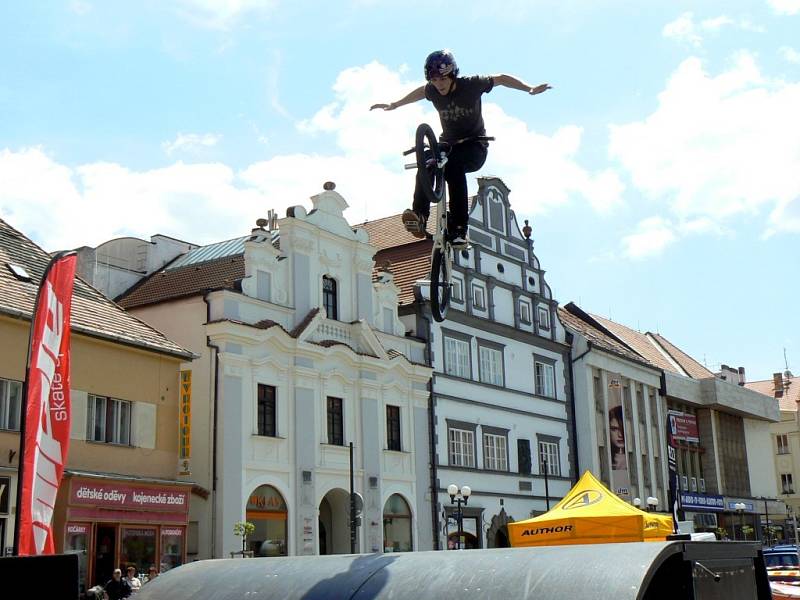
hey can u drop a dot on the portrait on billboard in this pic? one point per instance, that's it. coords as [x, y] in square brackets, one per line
[620, 475]
[616, 433]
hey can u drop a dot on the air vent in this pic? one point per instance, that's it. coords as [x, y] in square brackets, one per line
[373, 482]
[306, 476]
[18, 271]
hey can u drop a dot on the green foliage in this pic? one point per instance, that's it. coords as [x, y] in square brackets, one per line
[243, 528]
[721, 532]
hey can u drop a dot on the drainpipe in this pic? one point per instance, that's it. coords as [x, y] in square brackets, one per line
[574, 427]
[431, 433]
[214, 420]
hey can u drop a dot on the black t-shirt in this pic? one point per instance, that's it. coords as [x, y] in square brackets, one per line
[460, 110]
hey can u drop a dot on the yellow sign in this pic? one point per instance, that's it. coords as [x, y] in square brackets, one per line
[185, 423]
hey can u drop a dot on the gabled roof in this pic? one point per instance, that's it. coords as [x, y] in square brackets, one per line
[574, 318]
[92, 313]
[657, 350]
[190, 280]
[791, 394]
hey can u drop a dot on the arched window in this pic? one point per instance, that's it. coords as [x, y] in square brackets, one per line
[266, 509]
[329, 299]
[396, 525]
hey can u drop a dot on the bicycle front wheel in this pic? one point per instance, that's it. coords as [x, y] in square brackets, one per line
[429, 176]
[440, 284]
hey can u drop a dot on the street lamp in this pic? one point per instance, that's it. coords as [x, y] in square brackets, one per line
[637, 502]
[652, 503]
[458, 498]
[739, 508]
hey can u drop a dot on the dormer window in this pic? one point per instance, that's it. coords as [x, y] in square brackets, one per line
[496, 210]
[329, 298]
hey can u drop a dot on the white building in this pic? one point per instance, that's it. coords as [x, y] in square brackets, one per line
[301, 354]
[502, 404]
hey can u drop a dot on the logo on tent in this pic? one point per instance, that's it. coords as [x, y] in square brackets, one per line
[583, 498]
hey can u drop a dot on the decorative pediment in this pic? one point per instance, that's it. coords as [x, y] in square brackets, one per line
[357, 336]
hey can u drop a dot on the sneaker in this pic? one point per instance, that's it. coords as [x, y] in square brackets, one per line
[415, 223]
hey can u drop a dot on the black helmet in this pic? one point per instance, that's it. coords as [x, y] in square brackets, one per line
[440, 63]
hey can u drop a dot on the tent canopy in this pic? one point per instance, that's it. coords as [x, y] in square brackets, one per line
[590, 514]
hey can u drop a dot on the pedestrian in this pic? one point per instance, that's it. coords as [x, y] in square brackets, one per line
[152, 573]
[116, 587]
[133, 580]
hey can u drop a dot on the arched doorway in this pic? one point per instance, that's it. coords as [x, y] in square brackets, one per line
[497, 534]
[266, 509]
[334, 518]
[397, 525]
[468, 541]
[501, 539]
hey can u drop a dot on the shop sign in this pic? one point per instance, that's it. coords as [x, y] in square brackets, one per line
[692, 501]
[175, 531]
[185, 424]
[266, 498]
[684, 427]
[126, 496]
[77, 529]
[5, 490]
[748, 506]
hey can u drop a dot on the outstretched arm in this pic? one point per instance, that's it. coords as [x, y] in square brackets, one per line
[416, 95]
[517, 84]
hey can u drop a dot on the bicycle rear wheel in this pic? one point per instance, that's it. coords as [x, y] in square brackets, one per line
[440, 283]
[430, 178]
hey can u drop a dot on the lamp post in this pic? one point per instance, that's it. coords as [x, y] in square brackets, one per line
[637, 502]
[739, 508]
[652, 503]
[459, 497]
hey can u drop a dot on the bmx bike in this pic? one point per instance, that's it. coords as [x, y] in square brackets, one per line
[431, 157]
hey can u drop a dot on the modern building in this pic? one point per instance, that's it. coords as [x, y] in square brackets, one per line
[501, 414]
[725, 457]
[120, 502]
[620, 414]
[302, 353]
[784, 388]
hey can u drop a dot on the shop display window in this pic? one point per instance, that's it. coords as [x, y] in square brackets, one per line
[76, 541]
[172, 541]
[138, 548]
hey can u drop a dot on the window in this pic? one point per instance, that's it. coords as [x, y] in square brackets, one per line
[496, 217]
[335, 422]
[393, 428]
[329, 298]
[266, 411]
[544, 374]
[458, 290]
[544, 318]
[786, 483]
[109, 420]
[264, 285]
[10, 404]
[491, 365]
[456, 357]
[478, 297]
[462, 448]
[524, 456]
[783, 444]
[548, 453]
[524, 312]
[495, 454]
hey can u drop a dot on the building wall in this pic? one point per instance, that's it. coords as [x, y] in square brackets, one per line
[761, 458]
[148, 380]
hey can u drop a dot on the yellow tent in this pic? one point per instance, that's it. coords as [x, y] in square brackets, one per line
[590, 514]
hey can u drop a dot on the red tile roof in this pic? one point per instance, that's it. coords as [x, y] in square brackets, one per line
[690, 365]
[191, 280]
[791, 395]
[92, 313]
[409, 264]
[389, 232]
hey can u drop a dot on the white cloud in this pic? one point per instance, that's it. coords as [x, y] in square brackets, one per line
[221, 14]
[717, 147]
[785, 7]
[685, 30]
[651, 237]
[79, 7]
[191, 142]
[790, 54]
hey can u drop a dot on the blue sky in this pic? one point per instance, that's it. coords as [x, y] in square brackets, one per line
[660, 174]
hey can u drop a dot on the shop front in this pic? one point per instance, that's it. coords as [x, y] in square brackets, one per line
[117, 523]
[266, 509]
[703, 510]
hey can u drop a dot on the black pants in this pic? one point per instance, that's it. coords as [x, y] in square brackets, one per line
[466, 157]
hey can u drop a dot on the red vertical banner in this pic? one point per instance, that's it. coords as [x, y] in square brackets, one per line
[46, 425]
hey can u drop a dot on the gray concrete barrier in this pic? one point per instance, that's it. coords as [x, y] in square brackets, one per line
[634, 571]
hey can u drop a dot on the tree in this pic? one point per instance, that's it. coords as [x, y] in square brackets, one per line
[746, 530]
[243, 529]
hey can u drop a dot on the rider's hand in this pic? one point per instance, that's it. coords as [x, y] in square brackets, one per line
[383, 106]
[540, 88]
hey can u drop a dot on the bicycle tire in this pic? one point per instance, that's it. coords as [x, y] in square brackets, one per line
[430, 180]
[440, 286]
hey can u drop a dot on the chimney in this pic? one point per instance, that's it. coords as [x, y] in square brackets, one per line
[742, 378]
[777, 383]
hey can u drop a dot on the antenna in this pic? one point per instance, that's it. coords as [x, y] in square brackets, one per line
[785, 360]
